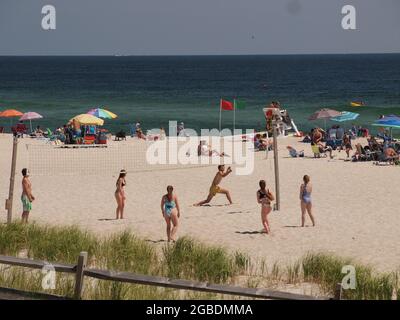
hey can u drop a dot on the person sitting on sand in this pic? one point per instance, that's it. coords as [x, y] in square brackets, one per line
[120, 195]
[305, 200]
[204, 149]
[27, 197]
[39, 132]
[140, 134]
[293, 152]
[324, 149]
[215, 188]
[162, 133]
[391, 155]
[171, 212]
[264, 197]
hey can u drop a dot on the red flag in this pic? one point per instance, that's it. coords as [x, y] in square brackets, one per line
[226, 105]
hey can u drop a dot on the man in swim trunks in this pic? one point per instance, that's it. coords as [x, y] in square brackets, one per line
[26, 197]
[215, 188]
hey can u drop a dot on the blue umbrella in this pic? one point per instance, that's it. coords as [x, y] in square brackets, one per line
[346, 116]
[391, 121]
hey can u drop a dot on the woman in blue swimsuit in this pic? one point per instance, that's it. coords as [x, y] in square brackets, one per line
[305, 198]
[170, 211]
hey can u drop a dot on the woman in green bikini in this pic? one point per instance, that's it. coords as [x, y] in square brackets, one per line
[171, 212]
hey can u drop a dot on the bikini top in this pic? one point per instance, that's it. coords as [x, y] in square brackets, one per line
[122, 184]
[262, 195]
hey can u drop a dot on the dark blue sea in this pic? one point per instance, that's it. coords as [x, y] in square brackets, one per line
[156, 89]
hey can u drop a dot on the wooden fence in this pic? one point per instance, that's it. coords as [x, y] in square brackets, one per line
[81, 271]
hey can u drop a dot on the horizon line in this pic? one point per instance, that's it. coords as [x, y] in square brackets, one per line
[194, 55]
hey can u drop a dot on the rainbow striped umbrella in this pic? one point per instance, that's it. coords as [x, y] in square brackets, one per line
[102, 113]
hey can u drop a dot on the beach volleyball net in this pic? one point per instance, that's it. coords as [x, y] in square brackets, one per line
[47, 159]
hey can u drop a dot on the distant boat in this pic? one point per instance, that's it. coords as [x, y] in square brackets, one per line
[357, 104]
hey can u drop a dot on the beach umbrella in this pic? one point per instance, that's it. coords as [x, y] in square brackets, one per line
[102, 113]
[87, 119]
[30, 116]
[324, 114]
[10, 113]
[391, 122]
[346, 116]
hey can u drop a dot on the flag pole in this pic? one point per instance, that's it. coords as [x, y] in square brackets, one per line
[220, 113]
[234, 115]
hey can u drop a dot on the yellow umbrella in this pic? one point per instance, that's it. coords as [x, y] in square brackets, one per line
[87, 119]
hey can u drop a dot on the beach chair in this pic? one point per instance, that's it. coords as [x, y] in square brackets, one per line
[89, 139]
[361, 154]
[317, 152]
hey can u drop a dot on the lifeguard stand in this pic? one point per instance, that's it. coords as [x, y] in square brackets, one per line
[282, 119]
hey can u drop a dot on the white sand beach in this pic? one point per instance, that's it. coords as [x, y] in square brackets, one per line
[355, 204]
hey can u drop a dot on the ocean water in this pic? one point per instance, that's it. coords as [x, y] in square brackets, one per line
[154, 90]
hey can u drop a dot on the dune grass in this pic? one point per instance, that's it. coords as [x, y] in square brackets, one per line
[186, 259]
[189, 259]
[326, 270]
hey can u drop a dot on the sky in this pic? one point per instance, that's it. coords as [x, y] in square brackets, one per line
[198, 27]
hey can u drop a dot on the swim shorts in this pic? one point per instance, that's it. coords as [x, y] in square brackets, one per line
[26, 204]
[214, 190]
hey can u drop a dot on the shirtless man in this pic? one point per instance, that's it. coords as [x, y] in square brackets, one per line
[391, 155]
[215, 188]
[26, 197]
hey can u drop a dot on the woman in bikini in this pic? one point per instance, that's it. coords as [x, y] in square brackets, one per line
[305, 200]
[264, 197]
[120, 195]
[347, 144]
[171, 212]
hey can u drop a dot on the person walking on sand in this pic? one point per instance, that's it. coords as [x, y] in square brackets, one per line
[120, 195]
[171, 212]
[27, 197]
[347, 144]
[305, 200]
[264, 197]
[215, 188]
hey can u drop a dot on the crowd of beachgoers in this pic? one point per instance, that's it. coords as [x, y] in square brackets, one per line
[382, 148]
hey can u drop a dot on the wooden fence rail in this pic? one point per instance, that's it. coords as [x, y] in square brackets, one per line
[81, 271]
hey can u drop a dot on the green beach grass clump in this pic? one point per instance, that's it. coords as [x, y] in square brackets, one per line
[192, 260]
[326, 270]
[125, 252]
